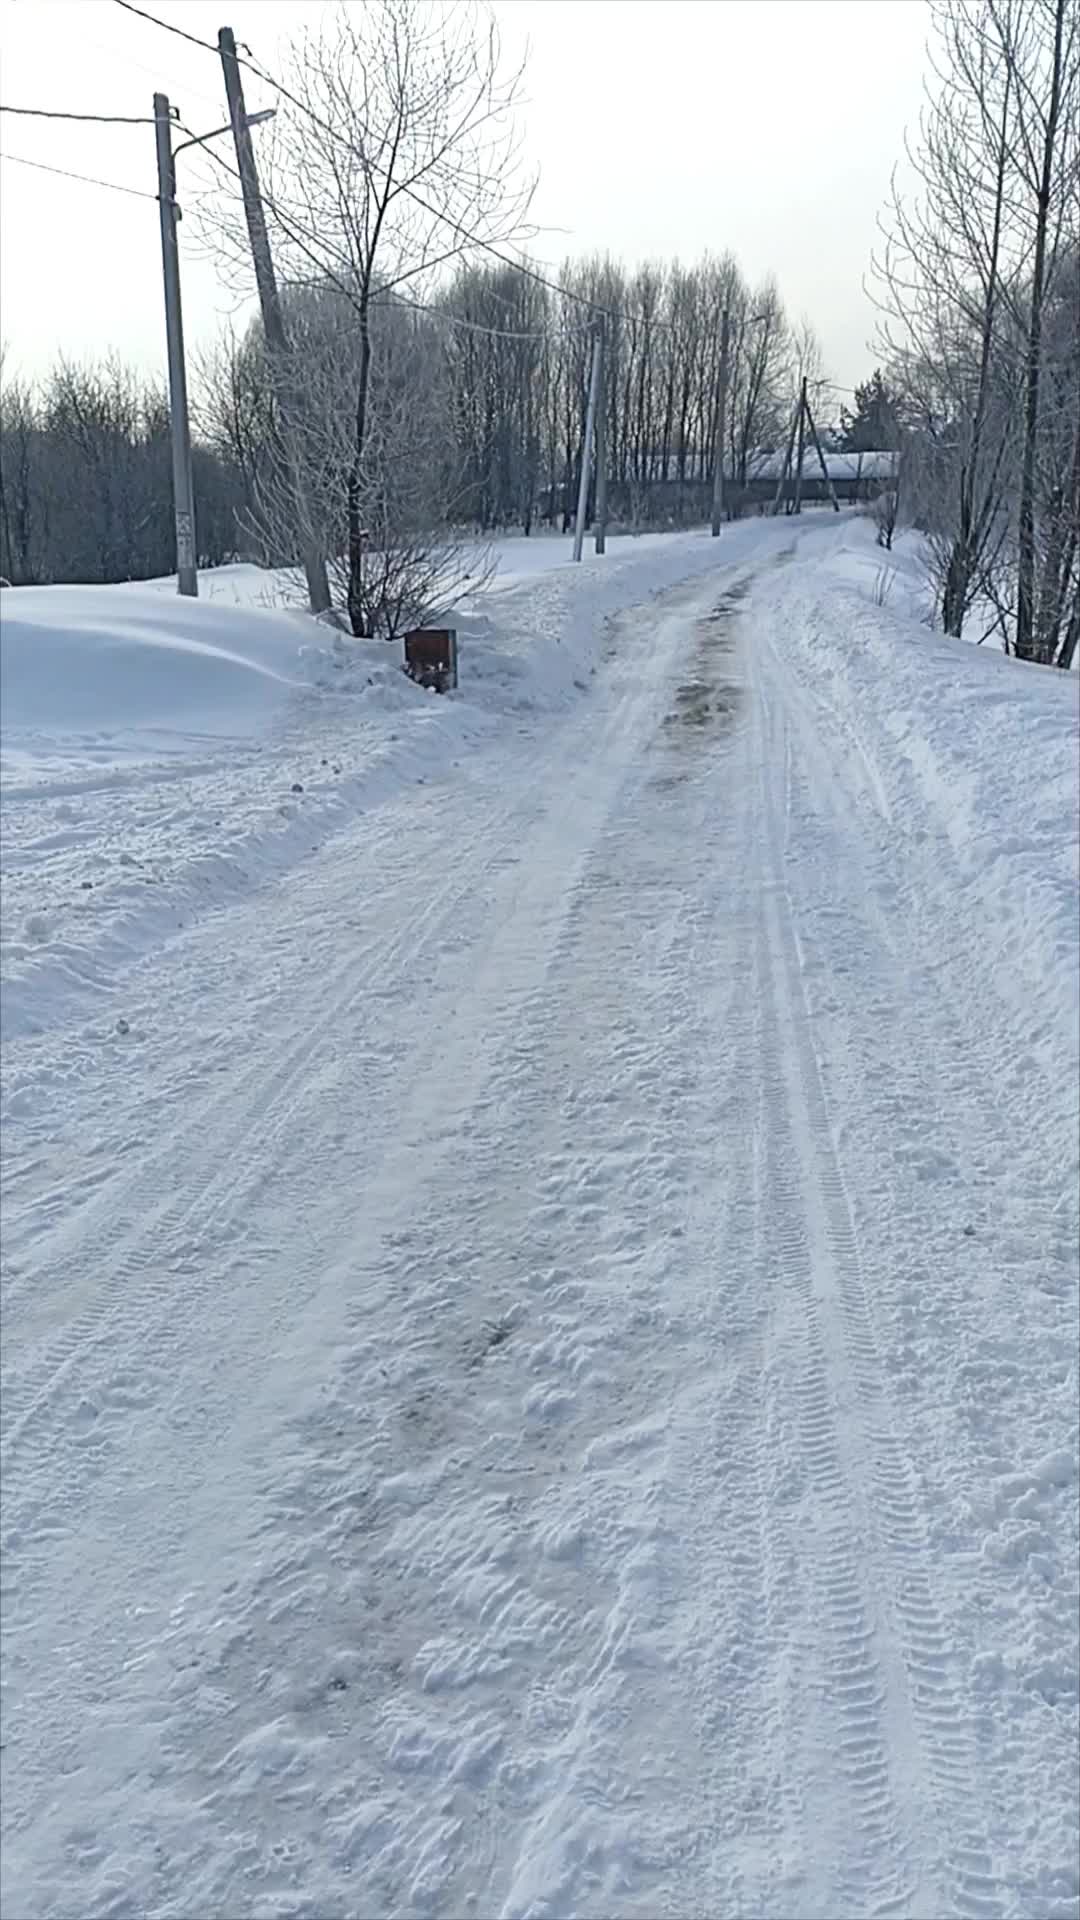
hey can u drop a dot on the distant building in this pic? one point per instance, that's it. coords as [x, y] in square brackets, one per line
[854, 477]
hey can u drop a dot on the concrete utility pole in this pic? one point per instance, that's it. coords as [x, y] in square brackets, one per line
[786, 468]
[601, 447]
[587, 446]
[187, 577]
[797, 508]
[270, 305]
[721, 426]
[830, 489]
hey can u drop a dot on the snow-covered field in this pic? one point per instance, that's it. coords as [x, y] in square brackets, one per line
[540, 1270]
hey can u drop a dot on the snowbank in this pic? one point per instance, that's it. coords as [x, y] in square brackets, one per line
[514, 557]
[159, 755]
[125, 667]
[967, 761]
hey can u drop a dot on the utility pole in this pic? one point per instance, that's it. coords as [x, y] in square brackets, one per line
[601, 445]
[721, 426]
[802, 447]
[830, 489]
[270, 305]
[587, 446]
[786, 468]
[187, 577]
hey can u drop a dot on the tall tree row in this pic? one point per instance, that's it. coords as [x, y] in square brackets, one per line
[491, 416]
[517, 358]
[86, 483]
[475, 407]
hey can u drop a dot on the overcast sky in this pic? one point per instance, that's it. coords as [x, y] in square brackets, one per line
[660, 128]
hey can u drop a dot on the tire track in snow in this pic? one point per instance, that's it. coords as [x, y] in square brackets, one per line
[747, 1680]
[334, 1528]
[553, 1851]
[728, 1478]
[709, 1820]
[979, 1333]
[155, 1266]
[941, 1710]
[543, 1605]
[925, 1708]
[856, 1713]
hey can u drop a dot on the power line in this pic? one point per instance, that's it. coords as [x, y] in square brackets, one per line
[486, 246]
[88, 179]
[99, 119]
[390, 292]
[167, 26]
[390, 297]
[436, 313]
[516, 265]
[475, 326]
[113, 53]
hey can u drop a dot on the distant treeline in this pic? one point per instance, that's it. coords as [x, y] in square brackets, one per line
[86, 480]
[481, 393]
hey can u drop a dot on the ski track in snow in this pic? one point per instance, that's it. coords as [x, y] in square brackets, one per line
[501, 1413]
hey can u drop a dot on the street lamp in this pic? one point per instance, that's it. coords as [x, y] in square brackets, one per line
[200, 139]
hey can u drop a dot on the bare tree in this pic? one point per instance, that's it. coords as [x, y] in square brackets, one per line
[23, 500]
[968, 277]
[885, 507]
[85, 479]
[496, 353]
[1044, 81]
[758, 398]
[398, 158]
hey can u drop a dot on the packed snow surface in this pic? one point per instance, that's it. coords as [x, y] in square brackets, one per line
[540, 1255]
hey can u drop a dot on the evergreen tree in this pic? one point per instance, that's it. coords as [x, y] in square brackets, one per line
[872, 425]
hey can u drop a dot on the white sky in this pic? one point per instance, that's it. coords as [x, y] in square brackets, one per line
[660, 128]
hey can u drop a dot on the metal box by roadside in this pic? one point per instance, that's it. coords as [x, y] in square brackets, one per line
[431, 657]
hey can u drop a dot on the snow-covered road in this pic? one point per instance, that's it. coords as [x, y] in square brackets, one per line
[539, 1374]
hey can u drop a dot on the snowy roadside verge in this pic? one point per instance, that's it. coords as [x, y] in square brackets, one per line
[931, 855]
[965, 762]
[162, 757]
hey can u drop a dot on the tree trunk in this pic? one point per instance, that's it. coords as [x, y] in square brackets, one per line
[1060, 554]
[962, 559]
[1025, 571]
[954, 596]
[1067, 650]
[359, 613]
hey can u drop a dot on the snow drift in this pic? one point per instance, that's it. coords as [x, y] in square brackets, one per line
[127, 667]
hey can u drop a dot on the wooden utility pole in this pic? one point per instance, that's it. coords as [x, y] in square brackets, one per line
[587, 446]
[785, 469]
[277, 345]
[830, 489]
[601, 445]
[797, 508]
[187, 575]
[721, 426]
